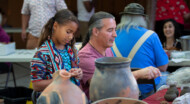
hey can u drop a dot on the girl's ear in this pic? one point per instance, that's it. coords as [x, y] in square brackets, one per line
[95, 31]
[55, 25]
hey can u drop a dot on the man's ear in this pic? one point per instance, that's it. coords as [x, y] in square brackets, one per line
[95, 31]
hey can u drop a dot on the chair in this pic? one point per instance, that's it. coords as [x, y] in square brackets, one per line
[10, 69]
[145, 81]
[34, 98]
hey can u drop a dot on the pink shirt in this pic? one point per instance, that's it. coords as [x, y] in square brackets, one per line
[87, 56]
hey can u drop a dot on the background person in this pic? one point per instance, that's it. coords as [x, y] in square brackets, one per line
[171, 33]
[35, 13]
[171, 9]
[130, 30]
[85, 10]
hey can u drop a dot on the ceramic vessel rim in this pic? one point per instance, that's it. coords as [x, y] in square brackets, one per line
[124, 60]
[123, 98]
[185, 37]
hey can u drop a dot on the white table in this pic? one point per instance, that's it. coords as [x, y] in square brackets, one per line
[182, 64]
[13, 30]
[20, 55]
[24, 55]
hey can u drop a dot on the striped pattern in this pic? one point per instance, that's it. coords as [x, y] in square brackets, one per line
[41, 64]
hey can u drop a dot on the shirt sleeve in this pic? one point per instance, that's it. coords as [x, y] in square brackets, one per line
[60, 4]
[25, 8]
[4, 36]
[160, 56]
[38, 67]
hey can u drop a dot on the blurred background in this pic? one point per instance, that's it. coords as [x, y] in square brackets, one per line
[12, 12]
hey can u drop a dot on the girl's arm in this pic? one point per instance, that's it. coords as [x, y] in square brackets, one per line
[41, 85]
[38, 71]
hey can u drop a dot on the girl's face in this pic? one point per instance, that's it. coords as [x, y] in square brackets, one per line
[63, 34]
[169, 29]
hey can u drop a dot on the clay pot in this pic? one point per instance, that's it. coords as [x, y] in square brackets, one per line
[170, 95]
[62, 91]
[174, 88]
[185, 90]
[119, 100]
[113, 78]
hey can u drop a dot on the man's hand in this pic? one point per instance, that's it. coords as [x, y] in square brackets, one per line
[148, 73]
[23, 35]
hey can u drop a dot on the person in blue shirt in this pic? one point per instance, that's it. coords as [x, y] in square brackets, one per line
[131, 28]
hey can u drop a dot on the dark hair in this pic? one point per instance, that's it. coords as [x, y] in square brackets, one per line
[62, 17]
[95, 22]
[177, 31]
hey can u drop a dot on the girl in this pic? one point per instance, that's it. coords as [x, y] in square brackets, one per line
[171, 33]
[56, 50]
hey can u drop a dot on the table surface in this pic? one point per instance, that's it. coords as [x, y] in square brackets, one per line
[13, 30]
[184, 63]
[20, 55]
[157, 97]
[23, 55]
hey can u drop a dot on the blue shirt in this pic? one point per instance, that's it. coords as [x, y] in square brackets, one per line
[66, 59]
[150, 53]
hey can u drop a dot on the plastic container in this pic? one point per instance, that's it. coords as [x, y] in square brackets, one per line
[6, 49]
[16, 95]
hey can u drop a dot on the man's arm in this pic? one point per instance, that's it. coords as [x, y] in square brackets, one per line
[89, 5]
[163, 68]
[25, 20]
[147, 73]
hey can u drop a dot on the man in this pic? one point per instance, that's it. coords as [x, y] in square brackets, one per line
[99, 39]
[131, 31]
[85, 10]
[35, 14]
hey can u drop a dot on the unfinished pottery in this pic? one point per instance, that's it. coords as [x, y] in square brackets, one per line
[113, 78]
[119, 100]
[62, 91]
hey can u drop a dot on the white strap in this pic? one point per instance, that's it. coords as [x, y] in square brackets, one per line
[136, 46]
[116, 51]
[139, 44]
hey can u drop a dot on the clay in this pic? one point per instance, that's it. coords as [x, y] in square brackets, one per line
[113, 78]
[119, 100]
[185, 90]
[170, 95]
[62, 91]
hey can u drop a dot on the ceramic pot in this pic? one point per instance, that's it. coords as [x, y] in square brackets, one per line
[62, 91]
[174, 88]
[119, 100]
[170, 95]
[185, 90]
[113, 78]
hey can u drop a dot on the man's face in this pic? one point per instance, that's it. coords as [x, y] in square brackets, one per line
[107, 34]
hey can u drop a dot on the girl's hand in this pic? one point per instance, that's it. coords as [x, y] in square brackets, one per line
[77, 73]
[80, 74]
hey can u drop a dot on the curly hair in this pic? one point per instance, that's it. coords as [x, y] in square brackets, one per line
[177, 31]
